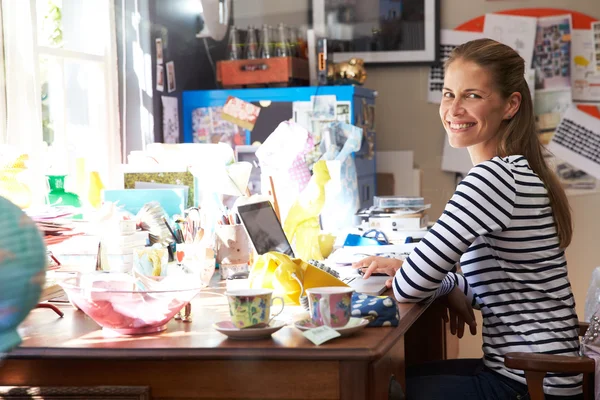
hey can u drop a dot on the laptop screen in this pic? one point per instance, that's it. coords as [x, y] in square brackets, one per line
[264, 229]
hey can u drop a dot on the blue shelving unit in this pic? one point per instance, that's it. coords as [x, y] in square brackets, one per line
[358, 97]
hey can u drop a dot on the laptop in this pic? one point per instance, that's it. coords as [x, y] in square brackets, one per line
[266, 234]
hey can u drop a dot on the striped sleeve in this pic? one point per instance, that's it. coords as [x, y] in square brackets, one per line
[483, 203]
[453, 280]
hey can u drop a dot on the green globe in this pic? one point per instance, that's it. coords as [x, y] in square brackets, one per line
[22, 270]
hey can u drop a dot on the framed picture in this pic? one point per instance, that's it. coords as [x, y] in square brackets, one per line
[380, 31]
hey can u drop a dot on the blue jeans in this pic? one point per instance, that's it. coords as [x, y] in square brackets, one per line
[465, 379]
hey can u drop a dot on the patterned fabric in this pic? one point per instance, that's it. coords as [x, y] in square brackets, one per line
[22, 270]
[379, 310]
[299, 171]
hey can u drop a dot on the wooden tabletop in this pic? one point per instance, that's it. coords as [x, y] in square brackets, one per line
[45, 335]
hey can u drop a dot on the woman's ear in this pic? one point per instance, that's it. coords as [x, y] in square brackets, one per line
[512, 106]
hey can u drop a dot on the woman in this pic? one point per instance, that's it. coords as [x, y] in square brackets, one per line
[508, 224]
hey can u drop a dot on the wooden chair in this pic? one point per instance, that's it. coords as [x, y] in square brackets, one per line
[536, 366]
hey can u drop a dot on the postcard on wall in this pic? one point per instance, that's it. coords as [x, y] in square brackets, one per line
[240, 112]
[171, 86]
[549, 107]
[552, 54]
[577, 141]
[515, 31]
[324, 107]
[342, 111]
[170, 119]
[585, 82]
[449, 39]
[159, 51]
[596, 37]
[160, 78]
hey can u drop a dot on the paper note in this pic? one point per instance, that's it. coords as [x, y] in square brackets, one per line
[324, 107]
[585, 80]
[515, 31]
[321, 334]
[596, 37]
[240, 112]
[577, 141]
[552, 54]
[170, 119]
[449, 39]
[549, 107]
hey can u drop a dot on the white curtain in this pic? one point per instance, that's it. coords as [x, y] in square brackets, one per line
[23, 99]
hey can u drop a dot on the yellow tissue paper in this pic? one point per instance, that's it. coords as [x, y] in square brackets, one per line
[274, 270]
[302, 222]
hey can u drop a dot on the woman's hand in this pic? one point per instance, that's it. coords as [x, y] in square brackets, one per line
[379, 265]
[460, 312]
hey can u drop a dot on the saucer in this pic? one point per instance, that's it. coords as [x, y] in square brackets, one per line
[232, 332]
[354, 325]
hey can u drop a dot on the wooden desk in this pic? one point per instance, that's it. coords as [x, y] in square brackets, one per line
[191, 360]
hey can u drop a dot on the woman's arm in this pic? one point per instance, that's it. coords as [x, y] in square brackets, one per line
[483, 203]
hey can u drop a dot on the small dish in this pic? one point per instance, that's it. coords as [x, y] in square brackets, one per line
[354, 325]
[228, 329]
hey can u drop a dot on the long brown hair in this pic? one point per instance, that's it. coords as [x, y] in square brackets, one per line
[519, 133]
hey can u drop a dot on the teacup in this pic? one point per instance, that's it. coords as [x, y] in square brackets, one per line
[251, 307]
[330, 305]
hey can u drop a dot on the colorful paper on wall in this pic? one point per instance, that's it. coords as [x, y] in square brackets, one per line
[449, 39]
[240, 112]
[209, 126]
[585, 82]
[552, 55]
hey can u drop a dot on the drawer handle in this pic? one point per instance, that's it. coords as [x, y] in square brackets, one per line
[254, 67]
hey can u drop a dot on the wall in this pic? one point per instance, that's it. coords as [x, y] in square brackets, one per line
[405, 121]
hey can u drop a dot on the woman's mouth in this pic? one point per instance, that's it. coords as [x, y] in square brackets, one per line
[460, 127]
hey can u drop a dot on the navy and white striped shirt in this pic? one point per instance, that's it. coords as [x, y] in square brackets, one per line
[500, 226]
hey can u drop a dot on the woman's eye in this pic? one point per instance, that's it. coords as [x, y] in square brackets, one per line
[448, 95]
[473, 96]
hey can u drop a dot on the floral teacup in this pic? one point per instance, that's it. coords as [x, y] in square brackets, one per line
[330, 305]
[251, 307]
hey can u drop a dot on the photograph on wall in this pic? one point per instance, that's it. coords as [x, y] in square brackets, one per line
[549, 107]
[159, 51]
[209, 126]
[515, 31]
[160, 78]
[552, 52]
[379, 31]
[171, 77]
[585, 82]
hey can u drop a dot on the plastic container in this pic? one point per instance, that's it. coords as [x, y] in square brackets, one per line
[397, 201]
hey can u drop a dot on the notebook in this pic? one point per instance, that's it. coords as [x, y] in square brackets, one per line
[266, 234]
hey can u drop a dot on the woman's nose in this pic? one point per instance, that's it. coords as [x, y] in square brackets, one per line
[456, 107]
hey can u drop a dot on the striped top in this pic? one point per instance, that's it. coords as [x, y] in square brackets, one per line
[500, 226]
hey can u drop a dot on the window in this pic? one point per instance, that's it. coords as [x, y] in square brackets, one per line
[72, 48]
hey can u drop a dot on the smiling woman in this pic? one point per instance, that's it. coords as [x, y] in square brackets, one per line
[507, 225]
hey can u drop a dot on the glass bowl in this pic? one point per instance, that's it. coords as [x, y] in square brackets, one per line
[129, 305]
